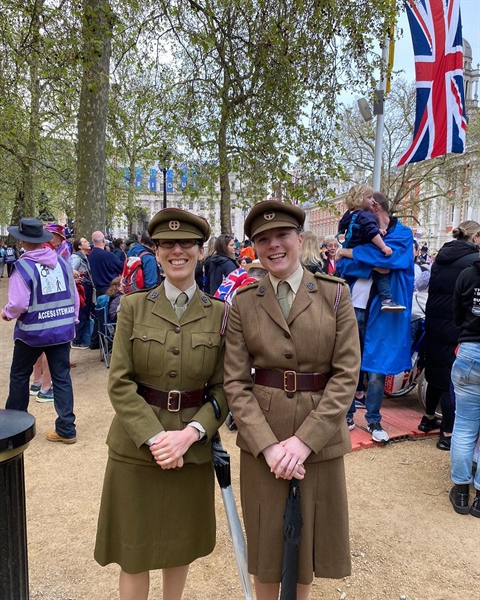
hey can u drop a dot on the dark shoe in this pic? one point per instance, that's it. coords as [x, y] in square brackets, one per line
[427, 424]
[94, 347]
[350, 424]
[459, 499]
[475, 508]
[45, 396]
[391, 306]
[444, 442]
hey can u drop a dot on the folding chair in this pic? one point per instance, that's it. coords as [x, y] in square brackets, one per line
[106, 331]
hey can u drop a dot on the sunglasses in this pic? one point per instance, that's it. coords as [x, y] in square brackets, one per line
[169, 244]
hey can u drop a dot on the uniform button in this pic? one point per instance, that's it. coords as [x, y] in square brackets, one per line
[290, 395]
[288, 355]
[145, 336]
[209, 342]
[177, 330]
[287, 335]
[176, 351]
[172, 374]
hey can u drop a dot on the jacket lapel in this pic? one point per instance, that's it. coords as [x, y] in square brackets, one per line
[269, 303]
[163, 308]
[303, 297]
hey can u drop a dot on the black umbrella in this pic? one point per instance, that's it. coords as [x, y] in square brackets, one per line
[292, 527]
[221, 463]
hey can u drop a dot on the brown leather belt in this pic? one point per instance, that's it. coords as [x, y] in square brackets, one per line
[174, 400]
[291, 381]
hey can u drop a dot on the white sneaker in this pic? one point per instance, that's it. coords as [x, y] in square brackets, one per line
[378, 432]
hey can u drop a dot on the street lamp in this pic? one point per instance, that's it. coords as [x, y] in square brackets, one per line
[164, 158]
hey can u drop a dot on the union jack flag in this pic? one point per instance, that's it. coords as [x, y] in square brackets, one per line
[231, 283]
[440, 122]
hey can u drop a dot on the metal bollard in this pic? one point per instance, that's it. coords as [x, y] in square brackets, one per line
[17, 429]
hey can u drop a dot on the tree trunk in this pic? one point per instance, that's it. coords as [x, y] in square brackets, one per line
[29, 204]
[92, 119]
[224, 165]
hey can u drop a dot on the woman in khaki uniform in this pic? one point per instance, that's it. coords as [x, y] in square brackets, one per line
[165, 384]
[291, 413]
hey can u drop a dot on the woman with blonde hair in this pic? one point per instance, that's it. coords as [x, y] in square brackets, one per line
[310, 256]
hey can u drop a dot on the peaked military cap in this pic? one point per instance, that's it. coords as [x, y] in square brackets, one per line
[178, 224]
[269, 214]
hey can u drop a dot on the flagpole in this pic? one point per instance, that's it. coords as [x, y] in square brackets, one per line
[379, 111]
[379, 104]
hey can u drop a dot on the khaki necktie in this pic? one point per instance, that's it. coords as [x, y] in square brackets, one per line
[282, 296]
[180, 304]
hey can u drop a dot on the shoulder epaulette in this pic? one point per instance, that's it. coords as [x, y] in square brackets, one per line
[250, 286]
[213, 297]
[331, 278]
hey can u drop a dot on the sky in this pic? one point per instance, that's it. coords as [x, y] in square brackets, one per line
[470, 13]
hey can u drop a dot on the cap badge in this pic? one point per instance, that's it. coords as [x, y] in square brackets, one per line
[268, 216]
[174, 225]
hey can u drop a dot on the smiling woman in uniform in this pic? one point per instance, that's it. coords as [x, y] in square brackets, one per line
[295, 329]
[165, 384]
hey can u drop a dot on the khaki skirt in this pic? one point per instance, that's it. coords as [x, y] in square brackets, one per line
[324, 546]
[152, 518]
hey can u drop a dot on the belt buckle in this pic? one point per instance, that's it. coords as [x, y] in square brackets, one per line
[286, 375]
[169, 400]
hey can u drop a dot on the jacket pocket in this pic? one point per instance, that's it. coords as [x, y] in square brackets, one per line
[263, 397]
[148, 349]
[203, 354]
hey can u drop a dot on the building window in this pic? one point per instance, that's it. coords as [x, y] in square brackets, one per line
[190, 206]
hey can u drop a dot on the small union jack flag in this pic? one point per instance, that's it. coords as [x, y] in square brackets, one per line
[231, 283]
[440, 122]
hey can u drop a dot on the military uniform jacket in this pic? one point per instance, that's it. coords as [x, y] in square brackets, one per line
[318, 336]
[152, 346]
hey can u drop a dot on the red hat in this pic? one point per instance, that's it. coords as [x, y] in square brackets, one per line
[56, 228]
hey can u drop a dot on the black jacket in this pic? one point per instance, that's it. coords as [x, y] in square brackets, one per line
[441, 333]
[466, 304]
[220, 266]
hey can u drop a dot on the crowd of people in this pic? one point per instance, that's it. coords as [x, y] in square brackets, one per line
[262, 331]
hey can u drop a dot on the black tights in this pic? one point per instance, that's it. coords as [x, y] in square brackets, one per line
[435, 395]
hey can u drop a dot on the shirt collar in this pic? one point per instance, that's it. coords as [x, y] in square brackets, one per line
[294, 280]
[172, 292]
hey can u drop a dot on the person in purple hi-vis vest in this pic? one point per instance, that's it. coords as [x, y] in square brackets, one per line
[42, 296]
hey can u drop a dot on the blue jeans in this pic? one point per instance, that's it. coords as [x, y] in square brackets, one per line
[382, 281]
[376, 381]
[466, 381]
[58, 356]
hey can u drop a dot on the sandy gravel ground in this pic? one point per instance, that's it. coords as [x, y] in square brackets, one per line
[406, 540]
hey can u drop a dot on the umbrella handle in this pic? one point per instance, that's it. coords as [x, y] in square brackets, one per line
[216, 407]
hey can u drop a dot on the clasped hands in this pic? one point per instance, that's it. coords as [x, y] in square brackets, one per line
[168, 450]
[286, 458]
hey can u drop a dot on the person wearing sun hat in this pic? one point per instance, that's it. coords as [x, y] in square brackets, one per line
[42, 297]
[58, 243]
[166, 387]
[295, 329]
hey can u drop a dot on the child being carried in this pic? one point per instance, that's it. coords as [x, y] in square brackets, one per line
[359, 227]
